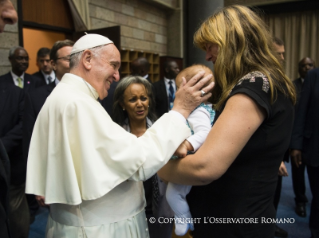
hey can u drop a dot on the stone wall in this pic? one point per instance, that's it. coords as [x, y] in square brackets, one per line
[8, 39]
[143, 25]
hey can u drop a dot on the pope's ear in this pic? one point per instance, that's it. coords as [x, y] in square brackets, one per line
[87, 59]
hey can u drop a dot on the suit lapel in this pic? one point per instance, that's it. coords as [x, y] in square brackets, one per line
[50, 87]
[8, 79]
[27, 83]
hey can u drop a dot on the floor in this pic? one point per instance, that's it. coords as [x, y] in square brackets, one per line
[298, 229]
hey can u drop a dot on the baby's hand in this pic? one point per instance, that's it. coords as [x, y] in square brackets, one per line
[182, 149]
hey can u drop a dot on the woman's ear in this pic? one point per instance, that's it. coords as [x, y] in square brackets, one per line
[122, 106]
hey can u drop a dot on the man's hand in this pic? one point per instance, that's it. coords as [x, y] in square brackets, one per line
[282, 170]
[41, 201]
[296, 157]
[189, 94]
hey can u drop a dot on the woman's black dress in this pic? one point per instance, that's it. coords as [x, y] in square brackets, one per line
[247, 188]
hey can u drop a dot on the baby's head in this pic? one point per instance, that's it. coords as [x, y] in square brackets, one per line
[190, 71]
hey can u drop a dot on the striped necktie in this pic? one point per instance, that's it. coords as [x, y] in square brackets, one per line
[49, 79]
[20, 85]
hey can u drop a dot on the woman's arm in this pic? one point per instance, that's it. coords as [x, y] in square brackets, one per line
[237, 123]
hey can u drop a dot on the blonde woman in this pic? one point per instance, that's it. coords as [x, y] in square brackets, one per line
[240, 158]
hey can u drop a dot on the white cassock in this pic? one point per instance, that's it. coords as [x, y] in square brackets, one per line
[89, 169]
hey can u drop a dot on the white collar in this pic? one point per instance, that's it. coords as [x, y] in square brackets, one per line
[15, 77]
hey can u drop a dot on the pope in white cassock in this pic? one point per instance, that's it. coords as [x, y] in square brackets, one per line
[87, 167]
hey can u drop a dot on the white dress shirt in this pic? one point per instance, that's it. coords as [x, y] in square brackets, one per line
[46, 76]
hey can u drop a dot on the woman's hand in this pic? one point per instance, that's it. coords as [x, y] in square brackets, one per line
[189, 95]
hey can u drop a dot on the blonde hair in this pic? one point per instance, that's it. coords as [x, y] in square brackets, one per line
[245, 45]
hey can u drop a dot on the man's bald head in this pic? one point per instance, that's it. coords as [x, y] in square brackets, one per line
[140, 66]
[305, 65]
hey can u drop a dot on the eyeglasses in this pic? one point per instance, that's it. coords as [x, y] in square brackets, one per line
[66, 58]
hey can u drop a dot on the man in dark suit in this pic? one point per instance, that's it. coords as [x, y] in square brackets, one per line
[8, 15]
[45, 73]
[60, 55]
[4, 192]
[305, 141]
[11, 112]
[19, 60]
[141, 67]
[298, 171]
[164, 90]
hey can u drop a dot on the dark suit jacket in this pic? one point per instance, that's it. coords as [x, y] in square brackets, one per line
[30, 82]
[305, 135]
[4, 191]
[33, 104]
[41, 78]
[160, 96]
[107, 102]
[298, 86]
[11, 112]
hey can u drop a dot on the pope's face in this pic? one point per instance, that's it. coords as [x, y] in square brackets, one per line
[105, 69]
[136, 102]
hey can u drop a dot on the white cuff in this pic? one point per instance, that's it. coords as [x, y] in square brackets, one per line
[180, 116]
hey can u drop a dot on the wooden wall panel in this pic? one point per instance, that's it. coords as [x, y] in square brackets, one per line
[34, 39]
[49, 12]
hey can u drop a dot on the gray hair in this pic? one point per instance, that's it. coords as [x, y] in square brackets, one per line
[119, 115]
[75, 58]
[13, 49]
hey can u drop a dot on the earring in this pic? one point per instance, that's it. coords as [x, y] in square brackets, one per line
[123, 109]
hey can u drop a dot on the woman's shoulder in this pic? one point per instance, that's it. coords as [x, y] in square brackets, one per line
[255, 80]
[255, 85]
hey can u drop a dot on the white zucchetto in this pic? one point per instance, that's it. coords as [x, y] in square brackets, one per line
[90, 41]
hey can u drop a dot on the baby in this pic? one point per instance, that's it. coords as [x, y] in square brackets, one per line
[200, 122]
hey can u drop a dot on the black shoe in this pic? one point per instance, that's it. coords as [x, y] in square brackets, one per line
[280, 232]
[301, 209]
